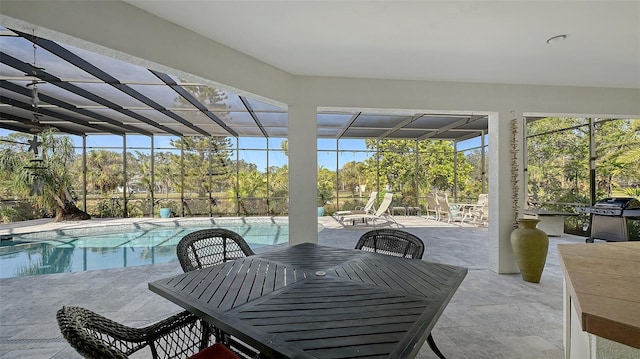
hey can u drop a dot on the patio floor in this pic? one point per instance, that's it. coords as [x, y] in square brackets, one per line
[491, 315]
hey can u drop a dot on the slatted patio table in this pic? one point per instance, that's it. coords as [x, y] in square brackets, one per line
[311, 301]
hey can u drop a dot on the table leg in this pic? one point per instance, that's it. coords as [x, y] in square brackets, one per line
[434, 347]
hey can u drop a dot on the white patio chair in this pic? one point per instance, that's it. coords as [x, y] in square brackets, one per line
[381, 213]
[432, 205]
[452, 213]
[473, 211]
[480, 212]
[368, 207]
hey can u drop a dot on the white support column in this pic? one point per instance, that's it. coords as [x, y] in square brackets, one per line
[303, 173]
[501, 214]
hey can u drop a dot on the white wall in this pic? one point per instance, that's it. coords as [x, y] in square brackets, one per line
[117, 29]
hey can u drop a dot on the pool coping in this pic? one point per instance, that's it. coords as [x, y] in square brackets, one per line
[35, 230]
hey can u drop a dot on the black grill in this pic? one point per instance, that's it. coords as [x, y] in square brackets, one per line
[610, 217]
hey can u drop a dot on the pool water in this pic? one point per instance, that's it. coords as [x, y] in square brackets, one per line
[115, 249]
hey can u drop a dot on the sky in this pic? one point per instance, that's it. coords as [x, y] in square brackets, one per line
[353, 149]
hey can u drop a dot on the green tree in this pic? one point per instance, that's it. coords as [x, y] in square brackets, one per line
[476, 176]
[139, 172]
[351, 175]
[241, 165]
[104, 171]
[167, 171]
[279, 189]
[251, 184]
[207, 159]
[207, 164]
[391, 163]
[326, 186]
[210, 97]
[437, 166]
[558, 158]
[617, 141]
[44, 179]
[411, 173]
[252, 187]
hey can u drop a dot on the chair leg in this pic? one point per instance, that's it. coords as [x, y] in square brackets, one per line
[434, 347]
[393, 220]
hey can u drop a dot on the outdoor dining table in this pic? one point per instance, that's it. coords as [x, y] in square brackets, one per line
[312, 301]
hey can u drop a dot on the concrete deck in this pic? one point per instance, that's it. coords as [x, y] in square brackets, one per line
[491, 315]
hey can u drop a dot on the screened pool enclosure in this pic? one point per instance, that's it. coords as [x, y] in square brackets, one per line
[140, 139]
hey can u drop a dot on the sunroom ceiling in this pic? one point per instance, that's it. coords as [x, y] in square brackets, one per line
[81, 93]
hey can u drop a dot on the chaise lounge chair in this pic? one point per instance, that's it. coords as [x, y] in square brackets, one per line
[381, 213]
[368, 208]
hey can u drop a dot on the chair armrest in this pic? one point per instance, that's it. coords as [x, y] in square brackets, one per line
[97, 336]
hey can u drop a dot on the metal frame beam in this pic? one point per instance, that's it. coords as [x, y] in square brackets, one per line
[45, 76]
[32, 126]
[192, 100]
[50, 113]
[16, 127]
[180, 123]
[67, 106]
[254, 116]
[400, 126]
[84, 65]
[451, 126]
[348, 125]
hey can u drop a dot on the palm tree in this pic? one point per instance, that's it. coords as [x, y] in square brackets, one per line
[46, 181]
[104, 170]
[251, 186]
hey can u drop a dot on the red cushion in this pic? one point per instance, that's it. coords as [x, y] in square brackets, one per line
[216, 351]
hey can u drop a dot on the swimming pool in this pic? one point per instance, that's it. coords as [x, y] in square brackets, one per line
[106, 247]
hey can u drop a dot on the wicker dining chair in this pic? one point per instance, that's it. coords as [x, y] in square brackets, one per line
[392, 242]
[95, 336]
[396, 242]
[208, 247]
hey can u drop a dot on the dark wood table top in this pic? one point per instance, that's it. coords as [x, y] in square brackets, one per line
[310, 301]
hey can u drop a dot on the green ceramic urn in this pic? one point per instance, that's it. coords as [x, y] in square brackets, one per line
[530, 246]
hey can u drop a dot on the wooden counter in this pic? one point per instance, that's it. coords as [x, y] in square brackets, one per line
[603, 280]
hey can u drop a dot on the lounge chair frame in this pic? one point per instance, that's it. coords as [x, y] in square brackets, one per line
[381, 213]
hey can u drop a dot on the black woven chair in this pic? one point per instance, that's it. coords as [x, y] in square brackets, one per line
[94, 336]
[395, 242]
[208, 247]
